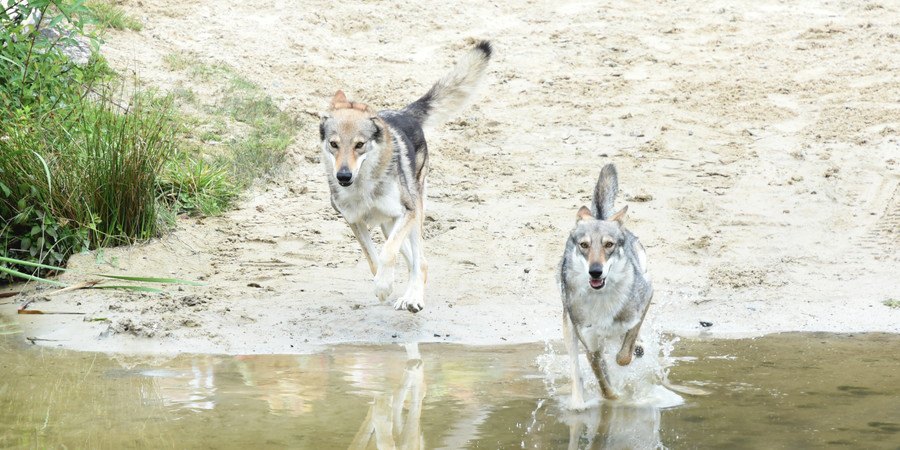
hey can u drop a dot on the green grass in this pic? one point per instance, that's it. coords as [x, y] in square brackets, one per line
[892, 303]
[271, 132]
[106, 14]
[240, 136]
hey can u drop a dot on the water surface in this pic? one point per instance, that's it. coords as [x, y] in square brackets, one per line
[781, 391]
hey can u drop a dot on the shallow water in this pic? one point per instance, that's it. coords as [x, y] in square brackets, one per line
[783, 391]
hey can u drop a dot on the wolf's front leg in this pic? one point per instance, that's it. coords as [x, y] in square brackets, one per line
[361, 231]
[414, 298]
[571, 338]
[384, 278]
[626, 353]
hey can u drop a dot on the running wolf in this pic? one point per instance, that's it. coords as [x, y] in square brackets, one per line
[606, 289]
[376, 163]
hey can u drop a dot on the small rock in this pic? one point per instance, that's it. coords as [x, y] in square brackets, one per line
[642, 197]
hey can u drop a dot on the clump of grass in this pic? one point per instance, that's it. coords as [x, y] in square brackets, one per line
[109, 15]
[94, 170]
[195, 186]
[891, 303]
[193, 64]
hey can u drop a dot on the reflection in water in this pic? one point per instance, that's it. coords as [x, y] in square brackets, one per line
[610, 426]
[289, 385]
[192, 389]
[385, 424]
[794, 391]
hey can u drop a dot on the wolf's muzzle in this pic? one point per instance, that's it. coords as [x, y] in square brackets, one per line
[344, 177]
[597, 280]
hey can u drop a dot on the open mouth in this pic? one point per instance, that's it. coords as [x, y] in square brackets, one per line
[598, 283]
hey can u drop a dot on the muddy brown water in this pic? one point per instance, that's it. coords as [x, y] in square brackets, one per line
[780, 391]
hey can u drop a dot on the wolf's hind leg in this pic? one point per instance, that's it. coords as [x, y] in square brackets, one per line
[598, 364]
[384, 278]
[405, 249]
[414, 298]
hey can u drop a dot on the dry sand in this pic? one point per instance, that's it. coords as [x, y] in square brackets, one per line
[757, 147]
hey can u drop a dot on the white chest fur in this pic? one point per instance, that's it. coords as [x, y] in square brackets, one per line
[368, 202]
[597, 309]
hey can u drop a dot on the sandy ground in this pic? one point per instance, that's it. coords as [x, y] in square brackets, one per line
[757, 146]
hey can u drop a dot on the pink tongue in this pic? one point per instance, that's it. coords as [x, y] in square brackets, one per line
[596, 283]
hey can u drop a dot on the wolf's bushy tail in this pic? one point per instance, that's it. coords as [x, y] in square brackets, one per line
[452, 92]
[605, 193]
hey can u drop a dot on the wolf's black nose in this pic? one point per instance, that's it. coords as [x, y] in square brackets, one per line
[343, 176]
[596, 271]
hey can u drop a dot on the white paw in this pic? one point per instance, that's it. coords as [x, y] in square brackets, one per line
[410, 302]
[384, 283]
[577, 404]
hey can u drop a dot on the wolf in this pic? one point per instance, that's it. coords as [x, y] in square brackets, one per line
[376, 163]
[605, 285]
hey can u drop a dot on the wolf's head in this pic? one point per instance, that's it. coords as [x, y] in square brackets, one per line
[349, 131]
[598, 245]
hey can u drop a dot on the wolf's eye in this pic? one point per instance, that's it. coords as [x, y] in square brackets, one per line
[609, 244]
[584, 245]
[359, 145]
[334, 144]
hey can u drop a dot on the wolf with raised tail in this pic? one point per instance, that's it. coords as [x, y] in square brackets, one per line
[376, 163]
[606, 288]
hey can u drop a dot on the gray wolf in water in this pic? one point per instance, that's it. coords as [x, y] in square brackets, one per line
[606, 289]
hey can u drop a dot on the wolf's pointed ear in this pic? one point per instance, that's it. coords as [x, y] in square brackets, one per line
[338, 98]
[584, 214]
[322, 119]
[379, 128]
[619, 216]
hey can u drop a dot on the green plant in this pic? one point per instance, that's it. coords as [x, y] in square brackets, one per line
[78, 168]
[36, 77]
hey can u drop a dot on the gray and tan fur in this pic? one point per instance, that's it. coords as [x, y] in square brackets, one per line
[606, 289]
[376, 163]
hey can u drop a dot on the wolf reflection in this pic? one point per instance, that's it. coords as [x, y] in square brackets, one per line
[393, 420]
[385, 424]
[610, 426]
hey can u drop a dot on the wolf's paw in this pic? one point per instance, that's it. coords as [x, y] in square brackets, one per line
[623, 358]
[411, 303]
[384, 282]
[610, 396]
[579, 405]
